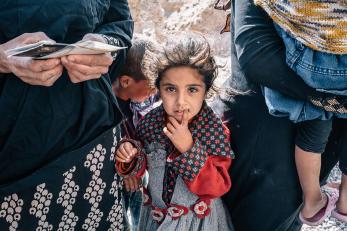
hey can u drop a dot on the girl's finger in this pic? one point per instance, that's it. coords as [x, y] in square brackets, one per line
[170, 127]
[120, 159]
[173, 121]
[129, 148]
[122, 155]
[167, 133]
[185, 117]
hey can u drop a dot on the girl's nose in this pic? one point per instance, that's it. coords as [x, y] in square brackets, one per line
[181, 99]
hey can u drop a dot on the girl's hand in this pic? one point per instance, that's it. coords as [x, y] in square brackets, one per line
[132, 183]
[34, 72]
[85, 67]
[179, 133]
[126, 152]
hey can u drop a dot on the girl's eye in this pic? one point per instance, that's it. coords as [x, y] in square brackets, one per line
[192, 90]
[170, 89]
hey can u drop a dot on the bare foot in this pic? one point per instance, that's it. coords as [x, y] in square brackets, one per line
[312, 208]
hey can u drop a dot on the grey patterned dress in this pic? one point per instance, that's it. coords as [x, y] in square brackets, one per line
[218, 219]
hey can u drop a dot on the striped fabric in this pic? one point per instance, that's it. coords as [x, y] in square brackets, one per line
[319, 24]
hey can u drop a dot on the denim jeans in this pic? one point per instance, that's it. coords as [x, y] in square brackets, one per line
[323, 71]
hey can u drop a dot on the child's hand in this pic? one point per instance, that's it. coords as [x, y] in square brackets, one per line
[132, 183]
[179, 133]
[126, 152]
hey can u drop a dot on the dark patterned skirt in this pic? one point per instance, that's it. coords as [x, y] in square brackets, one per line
[78, 191]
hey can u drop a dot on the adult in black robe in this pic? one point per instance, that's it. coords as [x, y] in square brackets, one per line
[58, 132]
[266, 192]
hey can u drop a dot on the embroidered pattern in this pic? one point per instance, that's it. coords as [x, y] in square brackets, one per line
[11, 210]
[50, 198]
[201, 208]
[40, 207]
[67, 198]
[176, 211]
[188, 164]
[115, 216]
[209, 134]
[114, 145]
[158, 214]
[96, 187]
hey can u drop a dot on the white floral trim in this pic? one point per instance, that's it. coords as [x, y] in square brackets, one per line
[157, 215]
[40, 207]
[95, 190]
[67, 198]
[11, 209]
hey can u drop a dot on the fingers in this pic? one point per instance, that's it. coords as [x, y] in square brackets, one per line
[43, 65]
[167, 133]
[126, 152]
[28, 38]
[34, 66]
[91, 60]
[94, 37]
[36, 72]
[185, 117]
[82, 71]
[173, 121]
[170, 128]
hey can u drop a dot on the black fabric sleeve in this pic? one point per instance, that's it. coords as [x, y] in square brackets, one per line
[118, 24]
[261, 52]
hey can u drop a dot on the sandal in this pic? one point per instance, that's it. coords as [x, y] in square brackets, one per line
[339, 216]
[320, 216]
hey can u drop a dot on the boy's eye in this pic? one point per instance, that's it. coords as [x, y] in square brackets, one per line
[192, 90]
[170, 89]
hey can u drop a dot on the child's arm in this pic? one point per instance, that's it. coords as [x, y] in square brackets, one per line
[130, 160]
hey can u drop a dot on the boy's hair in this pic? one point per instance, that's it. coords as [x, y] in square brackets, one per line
[140, 49]
[192, 50]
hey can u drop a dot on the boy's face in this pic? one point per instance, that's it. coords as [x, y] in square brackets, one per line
[182, 88]
[137, 91]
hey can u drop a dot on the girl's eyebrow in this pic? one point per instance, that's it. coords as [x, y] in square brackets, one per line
[194, 85]
[168, 84]
[189, 85]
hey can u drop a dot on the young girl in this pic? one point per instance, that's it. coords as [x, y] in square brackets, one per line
[315, 35]
[183, 145]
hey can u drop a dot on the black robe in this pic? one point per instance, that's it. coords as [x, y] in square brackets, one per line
[266, 192]
[47, 134]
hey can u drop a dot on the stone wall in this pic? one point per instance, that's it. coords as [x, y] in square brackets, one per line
[156, 18]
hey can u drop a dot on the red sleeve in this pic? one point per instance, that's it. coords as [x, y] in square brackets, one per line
[136, 167]
[213, 179]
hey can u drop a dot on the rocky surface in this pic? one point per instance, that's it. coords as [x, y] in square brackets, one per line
[157, 18]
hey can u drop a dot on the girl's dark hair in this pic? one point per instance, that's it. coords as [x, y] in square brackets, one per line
[191, 50]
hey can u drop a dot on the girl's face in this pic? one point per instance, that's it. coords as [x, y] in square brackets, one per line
[182, 88]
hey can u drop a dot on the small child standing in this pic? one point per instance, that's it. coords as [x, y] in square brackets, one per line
[135, 97]
[183, 145]
[315, 36]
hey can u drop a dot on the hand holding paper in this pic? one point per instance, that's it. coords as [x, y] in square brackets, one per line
[34, 72]
[82, 66]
